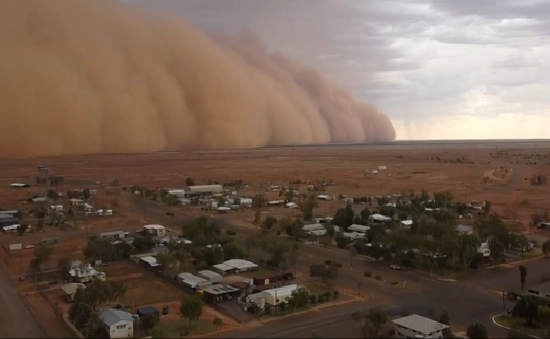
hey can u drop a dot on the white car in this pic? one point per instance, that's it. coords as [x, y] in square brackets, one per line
[395, 267]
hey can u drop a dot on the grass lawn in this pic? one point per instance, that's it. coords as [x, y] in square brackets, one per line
[178, 328]
[517, 324]
[149, 291]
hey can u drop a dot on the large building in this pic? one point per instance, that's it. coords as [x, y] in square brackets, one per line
[415, 326]
[203, 190]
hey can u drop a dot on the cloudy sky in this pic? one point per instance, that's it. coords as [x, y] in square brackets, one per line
[440, 69]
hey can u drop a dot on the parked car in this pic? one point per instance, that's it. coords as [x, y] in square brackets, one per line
[395, 267]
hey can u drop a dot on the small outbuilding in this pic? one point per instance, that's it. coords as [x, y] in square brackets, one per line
[218, 293]
[144, 310]
[70, 290]
[213, 277]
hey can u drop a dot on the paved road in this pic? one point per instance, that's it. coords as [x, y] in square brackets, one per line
[16, 320]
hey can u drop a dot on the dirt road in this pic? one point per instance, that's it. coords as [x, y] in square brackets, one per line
[16, 320]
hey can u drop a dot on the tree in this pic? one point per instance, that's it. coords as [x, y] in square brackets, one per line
[191, 308]
[445, 320]
[544, 316]
[257, 217]
[307, 208]
[293, 257]
[497, 251]
[371, 321]
[546, 248]
[527, 308]
[522, 275]
[477, 330]
[217, 322]
[21, 229]
[64, 266]
[365, 214]
[42, 254]
[148, 322]
[189, 181]
[300, 298]
[487, 207]
[269, 222]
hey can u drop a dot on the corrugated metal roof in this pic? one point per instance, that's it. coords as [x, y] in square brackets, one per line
[113, 316]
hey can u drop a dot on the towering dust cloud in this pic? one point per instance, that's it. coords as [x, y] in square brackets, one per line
[95, 76]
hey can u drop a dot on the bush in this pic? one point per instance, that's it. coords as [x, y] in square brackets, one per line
[368, 274]
[267, 309]
[336, 294]
[327, 295]
[313, 299]
[328, 262]
[395, 282]
[513, 295]
[282, 306]
[379, 278]
[321, 299]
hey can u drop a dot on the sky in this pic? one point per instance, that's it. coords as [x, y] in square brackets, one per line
[440, 69]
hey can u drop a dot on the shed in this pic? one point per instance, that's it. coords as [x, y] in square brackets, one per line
[116, 235]
[223, 269]
[211, 276]
[275, 296]
[191, 281]
[313, 227]
[218, 293]
[359, 228]
[274, 278]
[143, 310]
[70, 290]
[149, 261]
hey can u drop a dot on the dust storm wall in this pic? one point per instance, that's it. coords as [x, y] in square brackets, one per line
[96, 76]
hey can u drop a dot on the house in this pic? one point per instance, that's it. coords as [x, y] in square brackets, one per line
[234, 265]
[203, 190]
[56, 208]
[118, 323]
[39, 200]
[291, 205]
[217, 293]
[313, 227]
[415, 326]
[245, 201]
[464, 229]
[359, 228]
[155, 230]
[85, 273]
[115, 235]
[8, 221]
[149, 261]
[377, 218]
[406, 224]
[212, 277]
[353, 235]
[275, 296]
[144, 310]
[18, 185]
[70, 290]
[191, 281]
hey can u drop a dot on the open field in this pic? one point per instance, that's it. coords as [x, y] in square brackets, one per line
[498, 172]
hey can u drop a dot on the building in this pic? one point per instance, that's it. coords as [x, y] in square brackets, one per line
[217, 293]
[115, 235]
[8, 220]
[155, 230]
[323, 197]
[275, 296]
[464, 229]
[313, 227]
[235, 265]
[377, 218]
[273, 279]
[354, 235]
[203, 190]
[415, 326]
[359, 228]
[85, 273]
[70, 290]
[18, 185]
[118, 323]
[191, 281]
[39, 200]
[13, 213]
[406, 224]
[211, 276]
[149, 261]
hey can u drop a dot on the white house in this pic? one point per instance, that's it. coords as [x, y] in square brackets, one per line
[235, 265]
[118, 323]
[378, 218]
[415, 326]
[85, 273]
[359, 228]
[275, 296]
[156, 230]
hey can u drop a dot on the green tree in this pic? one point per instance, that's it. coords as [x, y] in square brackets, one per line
[300, 298]
[64, 266]
[42, 254]
[189, 181]
[293, 257]
[497, 251]
[148, 322]
[477, 330]
[527, 308]
[522, 275]
[365, 214]
[307, 208]
[544, 317]
[191, 308]
[217, 322]
[446, 320]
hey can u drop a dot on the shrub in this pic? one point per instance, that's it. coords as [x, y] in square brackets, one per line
[328, 262]
[282, 306]
[336, 294]
[313, 299]
[267, 309]
[378, 277]
[321, 299]
[327, 295]
[368, 274]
